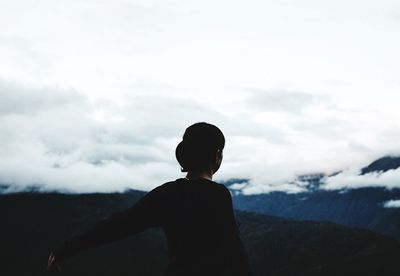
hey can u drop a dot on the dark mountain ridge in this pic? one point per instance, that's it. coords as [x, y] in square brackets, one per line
[362, 207]
[356, 208]
[33, 223]
[383, 164]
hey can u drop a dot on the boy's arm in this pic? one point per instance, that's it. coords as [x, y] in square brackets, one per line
[143, 214]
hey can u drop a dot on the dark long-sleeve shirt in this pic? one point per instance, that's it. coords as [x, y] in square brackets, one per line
[198, 221]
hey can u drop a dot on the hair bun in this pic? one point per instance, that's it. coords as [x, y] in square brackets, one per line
[182, 154]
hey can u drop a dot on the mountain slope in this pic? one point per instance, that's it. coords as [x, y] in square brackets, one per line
[356, 208]
[382, 165]
[33, 223]
[363, 207]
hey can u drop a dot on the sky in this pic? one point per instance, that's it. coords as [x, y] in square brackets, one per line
[95, 95]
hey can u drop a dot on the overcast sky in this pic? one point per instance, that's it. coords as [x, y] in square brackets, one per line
[95, 95]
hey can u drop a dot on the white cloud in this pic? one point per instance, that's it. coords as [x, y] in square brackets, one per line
[392, 204]
[61, 139]
[17, 98]
[91, 88]
[351, 179]
[83, 146]
[289, 188]
[285, 101]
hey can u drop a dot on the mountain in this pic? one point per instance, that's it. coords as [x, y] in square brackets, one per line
[34, 223]
[361, 207]
[382, 165]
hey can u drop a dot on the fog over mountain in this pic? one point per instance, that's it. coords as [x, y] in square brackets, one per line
[383, 172]
[369, 204]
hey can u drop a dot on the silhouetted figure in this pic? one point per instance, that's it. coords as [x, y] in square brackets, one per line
[195, 213]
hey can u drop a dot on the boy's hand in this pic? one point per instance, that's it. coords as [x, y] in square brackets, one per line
[52, 263]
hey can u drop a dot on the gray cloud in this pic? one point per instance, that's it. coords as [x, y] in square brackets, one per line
[284, 100]
[22, 99]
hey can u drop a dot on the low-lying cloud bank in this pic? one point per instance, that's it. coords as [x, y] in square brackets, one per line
[351, 179]
[60, 139]
[346, 179]
[392, 204]
[251, 187]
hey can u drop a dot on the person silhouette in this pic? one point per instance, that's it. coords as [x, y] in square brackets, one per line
[195, 213]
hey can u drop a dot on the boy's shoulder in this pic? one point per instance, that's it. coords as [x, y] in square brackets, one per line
[170, 184]
[175, 184]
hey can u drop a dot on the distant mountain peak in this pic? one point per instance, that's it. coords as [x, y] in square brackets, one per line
[3, 188]
[382, 165]
[312, 180]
